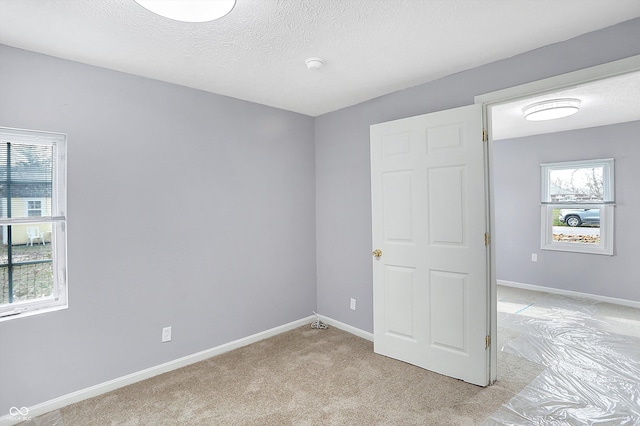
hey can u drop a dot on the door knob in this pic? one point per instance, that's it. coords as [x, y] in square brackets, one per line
[377, 253]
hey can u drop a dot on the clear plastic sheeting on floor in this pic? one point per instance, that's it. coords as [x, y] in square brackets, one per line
[592, 375]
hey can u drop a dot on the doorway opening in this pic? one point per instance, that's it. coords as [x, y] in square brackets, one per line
[553, 335]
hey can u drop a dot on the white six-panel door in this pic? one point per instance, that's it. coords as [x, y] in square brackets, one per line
[429, 222]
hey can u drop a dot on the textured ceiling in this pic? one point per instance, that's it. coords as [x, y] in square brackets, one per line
[257, 52]
[608, 101]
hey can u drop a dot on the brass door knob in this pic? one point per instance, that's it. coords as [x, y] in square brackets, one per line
[377, 253]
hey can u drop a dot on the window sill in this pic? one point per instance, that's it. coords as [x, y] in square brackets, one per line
[578, 248]
[30, 312]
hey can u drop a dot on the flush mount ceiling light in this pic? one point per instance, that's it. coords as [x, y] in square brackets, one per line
[551, 109]
[189, 10]
[314, 63]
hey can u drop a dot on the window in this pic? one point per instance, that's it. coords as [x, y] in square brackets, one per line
[34, 208]
[577, 206]
[32, 222]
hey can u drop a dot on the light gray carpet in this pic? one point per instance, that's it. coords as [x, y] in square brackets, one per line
[302, 377]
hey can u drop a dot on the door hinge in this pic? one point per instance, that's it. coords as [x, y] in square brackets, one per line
[487, 239]
[485, 136]
[487, 342]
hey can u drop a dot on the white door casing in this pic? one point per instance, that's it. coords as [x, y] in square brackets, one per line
[430, 285]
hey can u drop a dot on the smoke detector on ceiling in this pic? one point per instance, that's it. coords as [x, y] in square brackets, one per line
[314, 63]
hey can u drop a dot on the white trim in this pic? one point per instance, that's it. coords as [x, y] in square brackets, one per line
[348, 328]
[102, 388]
[56, 206]
[577, 294]
[43, 205]
[99, 389]
[527, 90]
[523, 91]
[606, 230]
[31, 137]
[608, 177]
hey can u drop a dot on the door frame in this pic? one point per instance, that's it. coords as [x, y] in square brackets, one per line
[523, 91]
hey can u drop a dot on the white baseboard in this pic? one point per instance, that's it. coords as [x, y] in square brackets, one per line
[348, 328]
[99, 389]
[138, 376]
[606, 299]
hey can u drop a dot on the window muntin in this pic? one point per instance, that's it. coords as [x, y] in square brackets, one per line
[32, 222]
[34, 208]
[577, 206]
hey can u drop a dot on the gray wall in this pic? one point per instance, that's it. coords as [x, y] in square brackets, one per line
[517, 204]
[199, 211]
[185, 209]
[343, 199]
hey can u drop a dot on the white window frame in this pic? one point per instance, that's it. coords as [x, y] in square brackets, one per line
[56, 216]
[606, 206]
[42, 202]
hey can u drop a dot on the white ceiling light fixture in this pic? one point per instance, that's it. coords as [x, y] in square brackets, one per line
[551, 109]
[189, 10]
[314, 63]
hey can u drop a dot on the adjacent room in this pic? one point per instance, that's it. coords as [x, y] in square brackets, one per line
[306, 213]
[579, 312]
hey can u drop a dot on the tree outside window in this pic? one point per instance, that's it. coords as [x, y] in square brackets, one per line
[577, 206]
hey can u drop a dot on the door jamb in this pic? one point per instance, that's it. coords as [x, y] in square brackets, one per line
[488, 100]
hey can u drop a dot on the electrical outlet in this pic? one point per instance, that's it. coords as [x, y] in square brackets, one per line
[353, 304]
[166, 334]
[534, 257]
